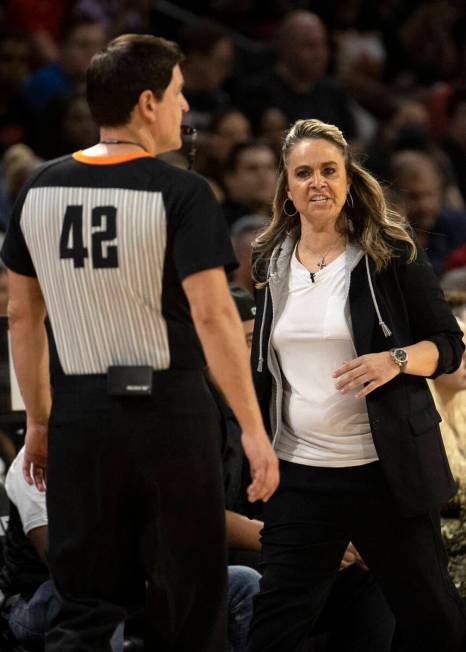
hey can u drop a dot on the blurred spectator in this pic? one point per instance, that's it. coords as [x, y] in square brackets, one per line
[69, 127]
[298, 85]
[18, 163]
[41, 21]
[455, 144]
[418, 182]
[409, 129]
[453, 284]
[360, 67]
[449, 392]
[456, 297]
[118, 16]
[15, 56]
[456, 259]
[272, 126]
[243, 232]
[249, 180]
[209, 59]
[82, 38]
[228, 127]
[428, 39]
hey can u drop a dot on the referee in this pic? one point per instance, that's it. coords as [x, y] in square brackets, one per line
[127, 255]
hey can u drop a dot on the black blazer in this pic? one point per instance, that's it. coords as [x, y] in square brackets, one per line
[402, 414]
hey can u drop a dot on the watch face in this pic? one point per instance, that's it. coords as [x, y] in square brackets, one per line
[401, 355]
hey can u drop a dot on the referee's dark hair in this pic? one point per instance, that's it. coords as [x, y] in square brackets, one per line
[127, 66]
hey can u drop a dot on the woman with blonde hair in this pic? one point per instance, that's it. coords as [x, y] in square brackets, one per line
[350, 321]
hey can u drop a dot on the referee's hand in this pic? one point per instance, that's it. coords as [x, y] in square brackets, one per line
[263, 464]
[35, 456]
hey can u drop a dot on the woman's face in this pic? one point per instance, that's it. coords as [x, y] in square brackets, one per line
[317, 180]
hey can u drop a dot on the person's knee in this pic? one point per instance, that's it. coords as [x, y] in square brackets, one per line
[243, 582]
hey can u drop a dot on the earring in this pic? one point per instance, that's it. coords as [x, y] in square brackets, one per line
[284, 208]
[349, 199]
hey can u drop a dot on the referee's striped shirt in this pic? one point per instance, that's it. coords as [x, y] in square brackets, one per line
[110, 239]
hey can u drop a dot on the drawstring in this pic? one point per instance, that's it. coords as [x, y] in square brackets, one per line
[260, 364]
[275, 252]
[385, 330]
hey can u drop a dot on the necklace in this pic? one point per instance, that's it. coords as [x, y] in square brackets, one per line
[116, 141]
[322, 256]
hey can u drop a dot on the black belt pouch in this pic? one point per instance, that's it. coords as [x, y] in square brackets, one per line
[129, 381]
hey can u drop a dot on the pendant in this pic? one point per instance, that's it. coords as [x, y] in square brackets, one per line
[313, 276]
[322, 263]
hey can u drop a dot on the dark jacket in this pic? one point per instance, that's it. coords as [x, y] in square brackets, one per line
[402, 414]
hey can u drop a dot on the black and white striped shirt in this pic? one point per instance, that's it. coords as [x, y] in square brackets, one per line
[110, 240]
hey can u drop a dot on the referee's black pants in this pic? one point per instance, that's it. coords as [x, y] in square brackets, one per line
[309, 521]
[136, 515]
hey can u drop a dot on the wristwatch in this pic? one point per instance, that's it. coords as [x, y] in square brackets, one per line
[400, 358]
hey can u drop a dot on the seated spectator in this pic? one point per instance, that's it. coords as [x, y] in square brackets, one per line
[455, 143]
[456, 298]
[69, 127]
[449, 392]
[418, 182]
[409, 129]
[41, 22]
[15, 60]
[298, 85]
[31, 598]
[242, 233]
[249, 180]
[427, 36]
[272, 126]
[209, 59]
[82, 38]
[456, 259]
[360, 64]
[121, 17]
[18, 163]
[228, 127]
[454, 282]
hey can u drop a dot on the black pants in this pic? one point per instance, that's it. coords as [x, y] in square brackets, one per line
[135, 503]
[356, 616]
[308, 523]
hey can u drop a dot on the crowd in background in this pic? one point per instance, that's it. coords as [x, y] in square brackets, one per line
[391, 74]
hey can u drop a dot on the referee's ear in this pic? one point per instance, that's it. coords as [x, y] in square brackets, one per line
[147, 106]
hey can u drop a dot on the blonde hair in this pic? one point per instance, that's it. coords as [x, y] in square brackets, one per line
[368, 221]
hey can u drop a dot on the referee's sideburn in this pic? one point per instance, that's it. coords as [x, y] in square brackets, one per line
[126, 255]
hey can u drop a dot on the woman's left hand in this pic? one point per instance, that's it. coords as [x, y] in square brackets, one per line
[371, 370]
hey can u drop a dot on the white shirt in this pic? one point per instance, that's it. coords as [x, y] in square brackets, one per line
[321, 426]
[28, 500]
